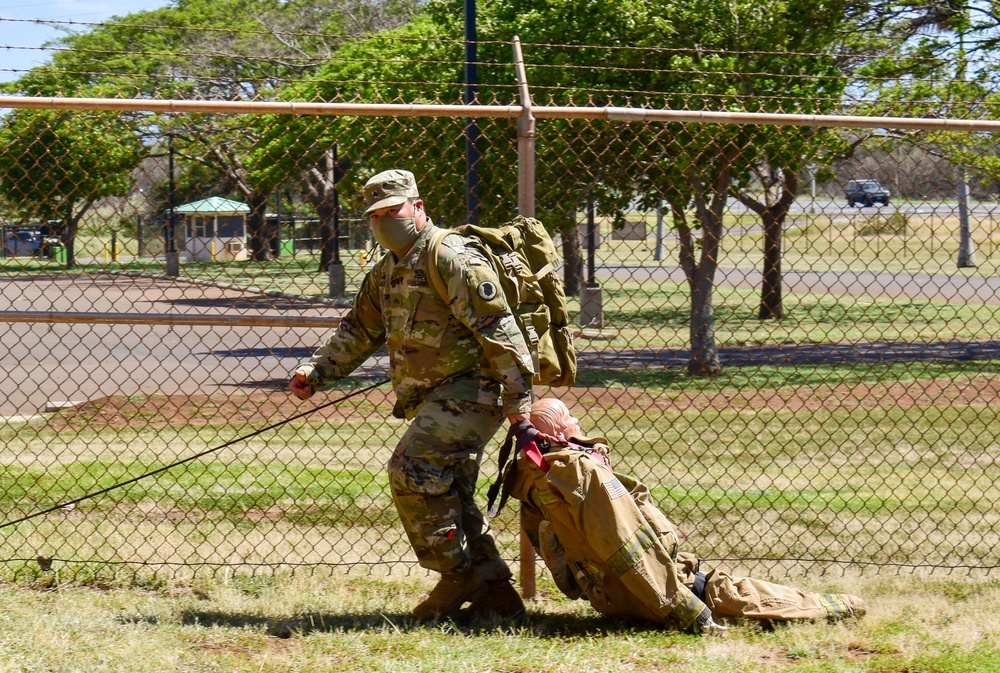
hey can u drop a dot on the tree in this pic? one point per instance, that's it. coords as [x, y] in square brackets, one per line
[413, 64]
[56, 164]
[214, 49]
[742, 55]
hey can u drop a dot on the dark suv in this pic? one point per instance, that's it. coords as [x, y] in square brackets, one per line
[866, 193]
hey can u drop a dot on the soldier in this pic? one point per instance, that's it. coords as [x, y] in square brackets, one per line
[651, 585]
[457, 369]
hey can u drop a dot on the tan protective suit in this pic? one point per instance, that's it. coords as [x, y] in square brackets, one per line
[603, 539]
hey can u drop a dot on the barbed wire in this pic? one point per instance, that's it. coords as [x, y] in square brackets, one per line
[700, 51]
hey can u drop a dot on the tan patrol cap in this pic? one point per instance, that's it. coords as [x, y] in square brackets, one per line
[389, 188]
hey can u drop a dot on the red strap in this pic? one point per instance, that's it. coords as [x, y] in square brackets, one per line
[534, 454]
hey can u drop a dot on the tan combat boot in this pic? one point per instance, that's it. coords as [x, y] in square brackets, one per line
[501, 601]
[452, 591]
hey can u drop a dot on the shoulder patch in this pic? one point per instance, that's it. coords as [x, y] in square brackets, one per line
[484, 290]
[487, 290]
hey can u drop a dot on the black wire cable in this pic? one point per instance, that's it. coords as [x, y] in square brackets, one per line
[196, 456]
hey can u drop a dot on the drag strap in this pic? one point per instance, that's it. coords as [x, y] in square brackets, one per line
[521, 436]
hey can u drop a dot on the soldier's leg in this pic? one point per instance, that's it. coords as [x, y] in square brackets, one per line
[432, 475]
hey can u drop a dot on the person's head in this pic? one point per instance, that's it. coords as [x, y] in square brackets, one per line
[395, 209]
[553, 418]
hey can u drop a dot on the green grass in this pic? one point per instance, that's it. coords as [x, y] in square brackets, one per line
[863, 482]
[322, 496]
[360, 623]
[658, 315]
[773, 378]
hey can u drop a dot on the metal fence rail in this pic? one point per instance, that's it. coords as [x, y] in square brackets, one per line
[796, 350]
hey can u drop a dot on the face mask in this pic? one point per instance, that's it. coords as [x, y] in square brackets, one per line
[395, 233]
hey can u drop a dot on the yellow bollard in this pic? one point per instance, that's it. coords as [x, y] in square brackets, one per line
[213, 251]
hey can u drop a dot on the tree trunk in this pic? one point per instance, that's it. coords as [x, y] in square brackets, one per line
[573, 262]
[770, 292]
[704, 351]
[321, 189]
[780, 190]
[261, 232]
[327, 214]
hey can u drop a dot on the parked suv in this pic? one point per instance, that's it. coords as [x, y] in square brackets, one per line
[866, 193]
[23, 242]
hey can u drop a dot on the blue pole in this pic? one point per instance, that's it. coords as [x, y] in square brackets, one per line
[472, 203]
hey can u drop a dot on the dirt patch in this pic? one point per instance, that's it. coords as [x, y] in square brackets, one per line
[158, 411]
[272, 406]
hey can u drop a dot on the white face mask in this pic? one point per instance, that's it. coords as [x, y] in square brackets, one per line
[395, 233]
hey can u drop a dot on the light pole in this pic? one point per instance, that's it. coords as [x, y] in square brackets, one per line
[966, 247]
[173, 262]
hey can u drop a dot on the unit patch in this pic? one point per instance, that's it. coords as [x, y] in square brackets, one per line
[485, 295]
[487, 290]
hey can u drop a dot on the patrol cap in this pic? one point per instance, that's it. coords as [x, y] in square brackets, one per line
[389, 188]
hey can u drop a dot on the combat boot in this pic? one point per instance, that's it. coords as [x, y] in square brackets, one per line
[452, 591]
[843, 606]
[501, 601]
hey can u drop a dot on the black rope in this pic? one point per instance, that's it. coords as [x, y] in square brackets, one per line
[194, 457]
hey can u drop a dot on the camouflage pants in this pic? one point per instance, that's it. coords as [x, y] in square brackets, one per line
[432, 475]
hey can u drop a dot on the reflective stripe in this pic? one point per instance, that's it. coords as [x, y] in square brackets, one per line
[631, 552]
[836, 607]
[687, 612]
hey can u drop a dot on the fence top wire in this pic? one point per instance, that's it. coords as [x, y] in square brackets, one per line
[527, 45]
[306, 63]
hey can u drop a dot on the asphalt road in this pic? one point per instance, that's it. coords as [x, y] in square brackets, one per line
[43, 363]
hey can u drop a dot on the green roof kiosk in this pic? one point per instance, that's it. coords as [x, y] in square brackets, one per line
[215, 229]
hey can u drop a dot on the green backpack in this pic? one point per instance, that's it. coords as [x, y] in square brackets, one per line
[525, 260]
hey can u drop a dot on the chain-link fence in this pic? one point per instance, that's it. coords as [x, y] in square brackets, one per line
[786, 327]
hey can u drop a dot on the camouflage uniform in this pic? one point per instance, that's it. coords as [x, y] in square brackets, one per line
[604, 539]
[457, 369]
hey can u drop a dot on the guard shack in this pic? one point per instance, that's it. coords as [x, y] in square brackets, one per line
[215, 229]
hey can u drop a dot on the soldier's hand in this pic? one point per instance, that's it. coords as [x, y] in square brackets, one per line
[300, 387]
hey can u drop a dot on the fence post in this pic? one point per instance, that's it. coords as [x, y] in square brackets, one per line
[525, 141]
[525, 208]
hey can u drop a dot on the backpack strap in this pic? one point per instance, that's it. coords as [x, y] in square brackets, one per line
[541, 273]
[433, 254]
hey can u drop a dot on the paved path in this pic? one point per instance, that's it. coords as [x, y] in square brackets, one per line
[958, 288]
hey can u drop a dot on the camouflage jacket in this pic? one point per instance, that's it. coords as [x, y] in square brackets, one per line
[470, 349]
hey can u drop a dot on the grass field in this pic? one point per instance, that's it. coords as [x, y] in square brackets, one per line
[871, 479]
[359, 623]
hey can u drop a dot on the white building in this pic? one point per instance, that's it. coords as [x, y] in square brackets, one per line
[215, 229]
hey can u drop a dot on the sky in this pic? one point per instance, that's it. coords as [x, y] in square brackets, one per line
[20, 42]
